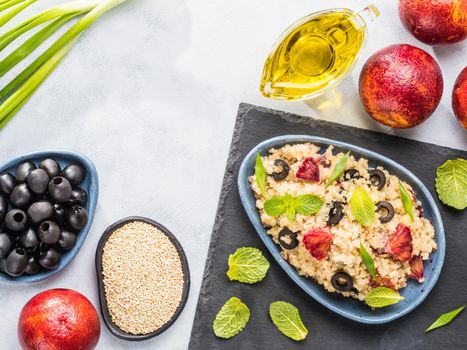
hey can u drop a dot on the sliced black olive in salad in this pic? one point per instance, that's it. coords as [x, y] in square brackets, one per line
[342, 282]
[281, 175]
[351, 174]
[336, 213]
[386, 211]
[288, 239]
[377, 178]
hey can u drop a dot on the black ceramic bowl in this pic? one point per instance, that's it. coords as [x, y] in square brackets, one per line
[114, 329]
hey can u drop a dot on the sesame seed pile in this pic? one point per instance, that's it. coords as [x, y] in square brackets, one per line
[143, 278]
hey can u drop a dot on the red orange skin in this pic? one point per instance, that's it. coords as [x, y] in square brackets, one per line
[459, 98]
[58, 319]
[435, 21]
[401, 86]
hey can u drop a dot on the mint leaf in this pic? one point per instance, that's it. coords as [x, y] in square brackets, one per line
[362, 207]
[231, 318]
[247, 265]
[290, 212]
[275, 206]
[445, 319]
[368, 261]
[406, 200]
[260, 174]
[288, 199]
[286, 318]
[451, 183]
[307, 204]
[382, 296]
[338, 169]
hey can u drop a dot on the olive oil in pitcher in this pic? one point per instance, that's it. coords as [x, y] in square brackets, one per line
[315, 53]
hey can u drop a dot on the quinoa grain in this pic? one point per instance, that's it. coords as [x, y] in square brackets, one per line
[143, 278]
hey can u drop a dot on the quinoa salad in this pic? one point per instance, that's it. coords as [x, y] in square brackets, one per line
[326, 245]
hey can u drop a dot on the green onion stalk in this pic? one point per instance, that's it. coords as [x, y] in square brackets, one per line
[19, 90]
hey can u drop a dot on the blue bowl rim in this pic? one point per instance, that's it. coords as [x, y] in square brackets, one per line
[93, 199]
[243, 187]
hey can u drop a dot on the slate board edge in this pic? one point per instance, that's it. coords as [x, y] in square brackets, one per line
[228, 180]
[227, 184]
[244, 108]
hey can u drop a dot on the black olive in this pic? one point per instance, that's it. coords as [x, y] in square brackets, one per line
[74, 173]
[284, 170]
[16, 262]
[326, 163]
[15, 220]
[5, 245]
[33, 266]
[3, 207]
[7, 182]
[49, 232]
[342, 282]
[29, 240]
[59, 214]
[386, 211]
[67, 240]
[288, 239]
[377, 178]
[23, 170]
[78, 196]
[60, 189]
[336, 213]
[77, 217]
[38, 180]
[40, 211]
[48, 257]
[51, 166]
[2, 264]
[350, 174]
[20, 196]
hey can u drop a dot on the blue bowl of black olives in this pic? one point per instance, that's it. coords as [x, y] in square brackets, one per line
[47, 205]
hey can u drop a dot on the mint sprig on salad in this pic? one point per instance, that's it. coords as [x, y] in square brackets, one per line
[306, 204]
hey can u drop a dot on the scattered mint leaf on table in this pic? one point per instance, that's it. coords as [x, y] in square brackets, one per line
[260, 174]
[382, 297]
[445, 319]
[286, 318]
[362, 207]
[451, 183]
[368, 261]
[406, 201]
[231, 318]
[338, 169]
[247, 265]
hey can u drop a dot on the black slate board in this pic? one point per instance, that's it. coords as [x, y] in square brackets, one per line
[327, 330]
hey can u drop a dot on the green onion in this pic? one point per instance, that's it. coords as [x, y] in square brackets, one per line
[17, 92]
[16, 7]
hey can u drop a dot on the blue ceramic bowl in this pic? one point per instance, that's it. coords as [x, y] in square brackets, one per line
[90, 184]
[350, 308]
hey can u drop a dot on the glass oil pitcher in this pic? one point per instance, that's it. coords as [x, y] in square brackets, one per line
[315, 53]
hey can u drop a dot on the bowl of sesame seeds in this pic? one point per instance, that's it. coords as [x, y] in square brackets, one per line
[143, 278]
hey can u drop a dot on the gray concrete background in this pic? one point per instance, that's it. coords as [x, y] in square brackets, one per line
[150, 94]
